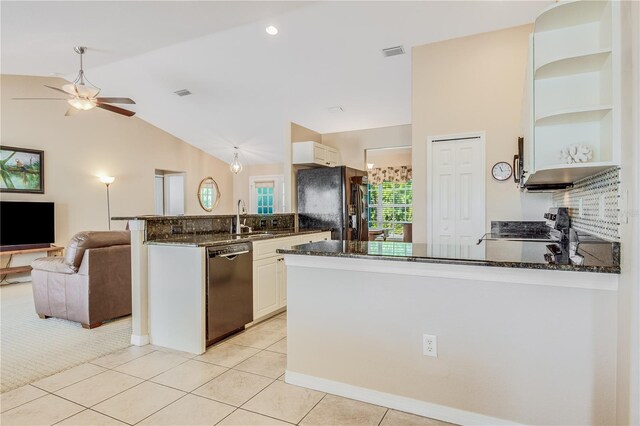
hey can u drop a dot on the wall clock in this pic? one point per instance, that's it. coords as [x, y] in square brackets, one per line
[501, 171]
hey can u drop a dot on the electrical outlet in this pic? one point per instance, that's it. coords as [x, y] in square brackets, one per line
[430, 345]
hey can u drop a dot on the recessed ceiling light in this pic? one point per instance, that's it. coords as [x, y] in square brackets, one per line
[271, 30]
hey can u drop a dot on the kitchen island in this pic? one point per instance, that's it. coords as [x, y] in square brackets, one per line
[517, 340]
[192, 296]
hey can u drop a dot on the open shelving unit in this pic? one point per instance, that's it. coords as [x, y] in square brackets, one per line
[575, 89]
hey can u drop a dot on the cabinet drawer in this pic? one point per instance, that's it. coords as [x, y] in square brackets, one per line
[312, 238]
[262, 249]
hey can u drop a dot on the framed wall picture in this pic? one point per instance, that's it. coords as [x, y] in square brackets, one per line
[21, 170]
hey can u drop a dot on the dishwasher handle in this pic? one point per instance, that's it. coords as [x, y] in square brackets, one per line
[231, 256]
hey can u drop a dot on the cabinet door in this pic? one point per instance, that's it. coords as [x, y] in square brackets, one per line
[265, 287]
[332, 157]
[281, 278]
[320, 154]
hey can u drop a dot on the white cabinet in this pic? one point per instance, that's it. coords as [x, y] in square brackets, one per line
[265, 287]
[313, 153]
[269, 273]
[575, 73]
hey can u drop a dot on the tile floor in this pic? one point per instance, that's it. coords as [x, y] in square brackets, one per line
[238, 382]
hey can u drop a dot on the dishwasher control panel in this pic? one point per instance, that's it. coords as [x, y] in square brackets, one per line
[229, 249]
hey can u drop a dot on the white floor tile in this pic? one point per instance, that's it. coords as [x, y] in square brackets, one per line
[98, 388]
[189, 375]
[68, 377]
[139, 402]
[190, 410]
[16, 397]
[47, 410]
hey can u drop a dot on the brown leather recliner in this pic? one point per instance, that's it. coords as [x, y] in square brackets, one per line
[91, 284]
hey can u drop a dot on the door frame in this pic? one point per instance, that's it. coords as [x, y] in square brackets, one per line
[429, 188]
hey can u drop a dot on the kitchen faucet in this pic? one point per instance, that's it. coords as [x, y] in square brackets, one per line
[241, 226]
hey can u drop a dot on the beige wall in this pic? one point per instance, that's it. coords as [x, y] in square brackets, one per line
[302, 134]
[389, 157]
[352, 145]
[297, 133]
[79, 148]
[473, 84]
[628, 393]
[528, 354]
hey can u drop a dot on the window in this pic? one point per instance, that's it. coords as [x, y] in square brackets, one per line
[390, 206]
[266, 193]
[264, 197]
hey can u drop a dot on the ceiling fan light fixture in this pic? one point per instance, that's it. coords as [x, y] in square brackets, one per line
[81, 104]
[235, 166]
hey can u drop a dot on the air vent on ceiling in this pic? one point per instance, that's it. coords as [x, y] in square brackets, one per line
[393, 51]
[183, 92]
[335, 109]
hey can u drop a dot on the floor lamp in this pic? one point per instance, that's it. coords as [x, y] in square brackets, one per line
[108, 180]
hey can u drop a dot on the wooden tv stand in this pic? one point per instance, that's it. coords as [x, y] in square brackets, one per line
[51, 251]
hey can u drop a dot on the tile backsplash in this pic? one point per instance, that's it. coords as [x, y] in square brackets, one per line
[598, 195]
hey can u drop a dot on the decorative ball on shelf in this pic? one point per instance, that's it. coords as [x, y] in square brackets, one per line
[576, 153]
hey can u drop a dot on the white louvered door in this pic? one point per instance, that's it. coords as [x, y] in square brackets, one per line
[458, 206]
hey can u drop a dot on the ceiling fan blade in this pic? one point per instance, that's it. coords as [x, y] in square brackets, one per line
[115, 109]
[59, 90]
[71, 111]
[39, 99]
[116, 100]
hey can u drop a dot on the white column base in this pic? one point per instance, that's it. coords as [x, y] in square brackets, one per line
[139, 340]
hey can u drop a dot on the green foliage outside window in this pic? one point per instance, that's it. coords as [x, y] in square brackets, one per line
[390, 206]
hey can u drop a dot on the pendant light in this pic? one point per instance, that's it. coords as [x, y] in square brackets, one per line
[235, 166]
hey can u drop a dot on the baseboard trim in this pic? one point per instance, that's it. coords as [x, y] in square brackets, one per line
[397, 402]
[139, 340]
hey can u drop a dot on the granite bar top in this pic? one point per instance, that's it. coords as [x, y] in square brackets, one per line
[206, 240]
[195, 216]
[506, 254]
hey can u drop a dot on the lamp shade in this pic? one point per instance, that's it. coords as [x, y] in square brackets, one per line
[107, 180]
[81, 104]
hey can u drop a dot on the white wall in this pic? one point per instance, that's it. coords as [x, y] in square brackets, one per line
[628, 393]
[465, 85]
[78, 149]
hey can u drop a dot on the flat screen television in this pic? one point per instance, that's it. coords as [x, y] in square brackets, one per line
[26, 224]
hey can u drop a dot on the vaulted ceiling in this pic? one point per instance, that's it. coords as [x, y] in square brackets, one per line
[246, 85]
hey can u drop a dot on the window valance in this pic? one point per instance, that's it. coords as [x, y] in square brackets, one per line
[398, 174]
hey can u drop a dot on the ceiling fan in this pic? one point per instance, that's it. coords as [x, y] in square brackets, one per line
[82, 95]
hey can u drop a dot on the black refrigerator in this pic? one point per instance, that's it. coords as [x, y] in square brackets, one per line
[336, 198]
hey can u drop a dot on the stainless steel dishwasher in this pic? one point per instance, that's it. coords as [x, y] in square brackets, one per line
[229, 290]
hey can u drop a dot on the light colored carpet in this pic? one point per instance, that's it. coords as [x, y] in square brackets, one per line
[33, 348]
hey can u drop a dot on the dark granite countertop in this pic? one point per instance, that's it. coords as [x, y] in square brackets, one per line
[205, 240]
[192, 216]
[509, 254]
